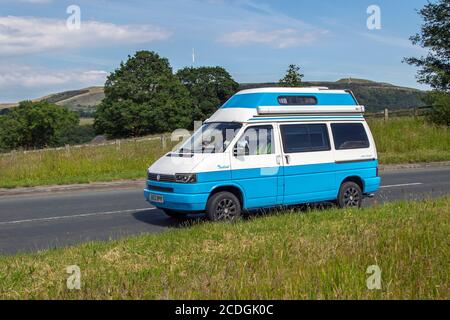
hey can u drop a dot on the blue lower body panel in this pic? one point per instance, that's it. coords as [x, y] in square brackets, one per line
[371, 184]
[263, 188]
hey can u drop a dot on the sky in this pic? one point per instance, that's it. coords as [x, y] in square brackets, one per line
[43, 50]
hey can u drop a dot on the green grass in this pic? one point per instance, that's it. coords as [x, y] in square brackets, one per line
[293, 255]
[127, 160]
[401, 140]
[406, 140]
[86, 121]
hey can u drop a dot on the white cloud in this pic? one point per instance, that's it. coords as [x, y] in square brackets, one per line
[281, 38]
[23, 35]
[28, 77]
[284, 31]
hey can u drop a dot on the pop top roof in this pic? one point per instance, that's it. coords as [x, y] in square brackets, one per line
[257, 104]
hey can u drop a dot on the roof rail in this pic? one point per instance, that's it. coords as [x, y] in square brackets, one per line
[309, 109]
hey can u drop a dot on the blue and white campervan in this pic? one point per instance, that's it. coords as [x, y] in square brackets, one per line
[270, 147]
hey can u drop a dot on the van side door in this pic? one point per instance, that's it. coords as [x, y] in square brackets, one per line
[308, 163]
[256, 166]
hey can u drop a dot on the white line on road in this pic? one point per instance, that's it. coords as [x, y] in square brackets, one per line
[402, 185]
[75, 216]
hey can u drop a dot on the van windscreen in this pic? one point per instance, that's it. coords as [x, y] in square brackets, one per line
[211, 138]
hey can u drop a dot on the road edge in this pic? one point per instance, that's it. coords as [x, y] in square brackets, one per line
[134, 184]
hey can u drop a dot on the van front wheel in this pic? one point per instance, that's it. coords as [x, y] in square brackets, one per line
[350, 195]
[223, 206]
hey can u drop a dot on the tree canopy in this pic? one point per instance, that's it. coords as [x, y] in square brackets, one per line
[143, 96]
[209, 87]
[293, 77]
[36, 125]
[434, 35]
[434, 69]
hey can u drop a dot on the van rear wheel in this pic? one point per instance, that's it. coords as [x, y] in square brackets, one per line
[223, 206]
[350, 195]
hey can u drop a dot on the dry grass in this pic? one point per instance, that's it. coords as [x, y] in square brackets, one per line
[318, 255]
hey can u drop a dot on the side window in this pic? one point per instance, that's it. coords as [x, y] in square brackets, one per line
[305, 138]
[255, 140]
[349, 136]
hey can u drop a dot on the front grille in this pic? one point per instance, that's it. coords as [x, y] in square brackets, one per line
[158, 188]
[162, 177]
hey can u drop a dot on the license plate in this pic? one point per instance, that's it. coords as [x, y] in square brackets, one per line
[156, 198]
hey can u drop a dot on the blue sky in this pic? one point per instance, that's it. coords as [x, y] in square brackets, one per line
[253, 40]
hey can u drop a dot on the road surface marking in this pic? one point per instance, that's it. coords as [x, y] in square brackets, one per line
[75, 216]
[402, 185]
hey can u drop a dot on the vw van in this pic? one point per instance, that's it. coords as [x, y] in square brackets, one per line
[270, 147]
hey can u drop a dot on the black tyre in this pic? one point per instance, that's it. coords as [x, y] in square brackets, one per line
[223, 206]
[174, 214]
[350, 195]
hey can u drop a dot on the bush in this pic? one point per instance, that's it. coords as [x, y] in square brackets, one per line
[36, 125]
[440, 111]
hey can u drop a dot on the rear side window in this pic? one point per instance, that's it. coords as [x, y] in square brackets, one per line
[349, 136]
[305, 138]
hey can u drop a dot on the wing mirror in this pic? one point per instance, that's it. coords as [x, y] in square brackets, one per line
[241, 148]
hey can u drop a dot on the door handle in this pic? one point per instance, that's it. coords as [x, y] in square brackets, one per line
[278, 159]
[288, 158]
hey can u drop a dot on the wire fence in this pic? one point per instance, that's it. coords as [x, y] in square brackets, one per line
[118, 142]
[388, 113]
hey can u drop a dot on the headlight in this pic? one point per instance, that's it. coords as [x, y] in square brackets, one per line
[185, 177]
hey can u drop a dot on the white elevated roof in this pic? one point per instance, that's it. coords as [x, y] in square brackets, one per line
[292, 90]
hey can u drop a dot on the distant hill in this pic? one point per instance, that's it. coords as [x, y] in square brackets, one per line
[83, 101]
[374, 95]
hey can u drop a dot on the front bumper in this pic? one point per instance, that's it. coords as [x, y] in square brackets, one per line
[176, 200]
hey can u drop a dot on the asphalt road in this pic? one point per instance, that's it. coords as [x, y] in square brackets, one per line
[31, 223]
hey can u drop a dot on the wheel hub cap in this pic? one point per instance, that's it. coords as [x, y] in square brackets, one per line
[226, 209]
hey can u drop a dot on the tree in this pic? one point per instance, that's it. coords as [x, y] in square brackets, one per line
[435, 67]
[434, 36]
[293, 77]
[209, 87]
[36, 125]
[141, 97]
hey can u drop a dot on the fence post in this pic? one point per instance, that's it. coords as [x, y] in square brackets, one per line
[163, 142]
[386, 114]
[415, 113]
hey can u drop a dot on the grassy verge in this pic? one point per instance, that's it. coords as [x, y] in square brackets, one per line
[125, 160]
[317, 254]
[401, 140]
[409, 140]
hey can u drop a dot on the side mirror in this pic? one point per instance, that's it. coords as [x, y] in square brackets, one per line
[241, 148]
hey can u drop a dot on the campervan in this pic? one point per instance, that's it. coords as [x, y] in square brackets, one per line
[270, 147]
